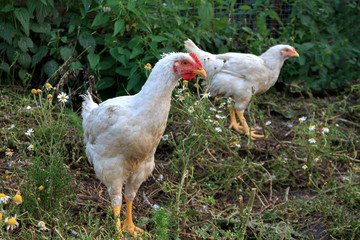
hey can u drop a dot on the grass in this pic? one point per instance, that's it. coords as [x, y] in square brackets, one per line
[210, 182]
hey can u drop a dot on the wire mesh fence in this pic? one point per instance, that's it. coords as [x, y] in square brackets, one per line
[246, 13]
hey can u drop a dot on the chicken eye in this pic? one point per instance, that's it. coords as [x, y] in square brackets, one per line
[286, 50]
[185, 62]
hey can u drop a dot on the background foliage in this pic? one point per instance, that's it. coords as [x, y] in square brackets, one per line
[68, 41]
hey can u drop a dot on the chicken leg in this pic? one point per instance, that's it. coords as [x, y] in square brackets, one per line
[117, 216]
[129, 225]
[245, 128]
[233, 122]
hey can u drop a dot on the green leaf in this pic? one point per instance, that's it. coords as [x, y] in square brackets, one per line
[22, 44]
[245, 7]
[65, 53]
[87, 5]
[105, 83]
[133, 81]
[75, 65]
[40, 28]
[6, 32]
[42, 11]
[306, 46]
[134, 42]
[119, 26]
[205, 12]
[274, 15]
[24, 60]
[136, 52]
[7, 8]
[158, 39]
[123, 71]
[93, 60]
[24, 18]
[106, 63]
[87, 41]
[4, 66]
[118, 54]
[39, 55]
[50, 67]
[22, 73]
[100, 19]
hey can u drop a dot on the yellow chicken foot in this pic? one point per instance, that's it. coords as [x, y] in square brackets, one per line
[233, 122]
[117, 219]
[128, 223]
[245, 127]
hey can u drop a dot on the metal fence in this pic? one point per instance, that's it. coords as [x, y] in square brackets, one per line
[246, 12]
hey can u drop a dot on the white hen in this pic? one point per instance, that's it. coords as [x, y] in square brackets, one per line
[122, 133]
[236, 74]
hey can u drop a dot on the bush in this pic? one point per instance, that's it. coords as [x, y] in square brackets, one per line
[111, 39]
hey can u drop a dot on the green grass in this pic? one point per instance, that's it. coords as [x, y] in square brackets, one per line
[216, 183]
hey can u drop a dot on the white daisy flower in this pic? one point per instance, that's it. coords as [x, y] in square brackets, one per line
[195, 134]
[11, 223]
[268, 123]
[42, 226]
[325, 130]
[205, 95]
[63, 97]
[191, 109]
[4, 199]
[8, 153]
[29, 132]
[188, 121]
[237, 145]
[312, 140]
[218, 129]
[219, 116]
[311, 127]
[180, 97]
[30, 147]
[11, 127]
[28, 108]
[302, 119]
[221, 105]
[212, 109]
[229, 100]
[304, 167]
[48, 86]
[165, 137]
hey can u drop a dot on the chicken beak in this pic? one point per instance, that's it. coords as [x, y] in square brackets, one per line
[294, 54]
[201, 72]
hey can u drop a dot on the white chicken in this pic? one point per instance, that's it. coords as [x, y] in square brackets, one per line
[122, 133]
[237, 74]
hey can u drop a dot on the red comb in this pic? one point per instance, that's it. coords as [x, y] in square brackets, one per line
[193, 55]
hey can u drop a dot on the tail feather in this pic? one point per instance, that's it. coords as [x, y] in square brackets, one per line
[88, 105]
[203, 56]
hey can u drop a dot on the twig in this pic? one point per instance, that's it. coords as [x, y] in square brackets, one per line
[347, 121]
[57, 231]
[332, 189]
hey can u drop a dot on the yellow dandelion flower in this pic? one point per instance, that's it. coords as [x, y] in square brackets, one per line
[49, 96]
[38, 199]
[33, 91]
[38, 91]
[0, 216]
[18, 199]
[7, 177]
[41, 188]
[185, 82]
